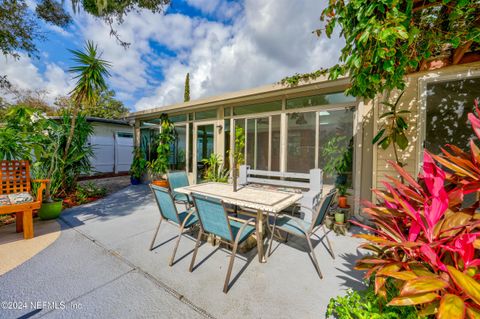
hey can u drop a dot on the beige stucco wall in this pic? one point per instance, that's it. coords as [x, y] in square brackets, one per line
[365, 113]
[412, 101]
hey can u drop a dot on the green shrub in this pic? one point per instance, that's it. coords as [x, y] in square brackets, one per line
[367, 305]
[139, 164]
[214, 171]
[89, 190]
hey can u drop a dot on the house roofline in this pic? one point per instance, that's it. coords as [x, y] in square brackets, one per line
[98, 120]
[252, 94]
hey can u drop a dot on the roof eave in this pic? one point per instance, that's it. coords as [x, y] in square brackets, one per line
[244, 96]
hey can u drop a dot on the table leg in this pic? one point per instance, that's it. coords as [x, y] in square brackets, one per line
[259, 231]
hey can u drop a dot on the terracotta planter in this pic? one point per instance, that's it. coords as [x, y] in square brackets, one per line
[160, 182]
[342, 201]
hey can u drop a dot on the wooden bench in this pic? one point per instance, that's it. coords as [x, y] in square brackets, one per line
[310, 185]
[15, 183]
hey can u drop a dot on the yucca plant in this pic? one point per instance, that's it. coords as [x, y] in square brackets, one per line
[425, 240]
[90, 72]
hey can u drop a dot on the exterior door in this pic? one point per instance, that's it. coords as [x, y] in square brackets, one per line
[203, 146]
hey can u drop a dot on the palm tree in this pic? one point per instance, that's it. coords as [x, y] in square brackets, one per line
[90, 73]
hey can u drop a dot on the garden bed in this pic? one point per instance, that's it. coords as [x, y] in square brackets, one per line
[85, 193]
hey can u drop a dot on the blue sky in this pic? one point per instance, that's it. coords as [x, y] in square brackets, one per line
[226, 45]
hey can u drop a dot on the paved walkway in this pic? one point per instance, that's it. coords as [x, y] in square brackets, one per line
[101, 267]
[16, 250]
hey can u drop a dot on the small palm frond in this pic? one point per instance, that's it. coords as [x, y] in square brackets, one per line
[90, 73]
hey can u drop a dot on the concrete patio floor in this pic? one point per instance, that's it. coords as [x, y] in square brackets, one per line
[101, 267]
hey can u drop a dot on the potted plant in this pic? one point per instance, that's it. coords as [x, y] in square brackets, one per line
[339, 217]
[47, 166]
[138, 167]
[342, 195]
[159, 167]
[62, 174]
[338, 154]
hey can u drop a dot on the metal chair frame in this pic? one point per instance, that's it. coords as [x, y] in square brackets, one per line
[307, 232]
[181, 226]
[231, 243]
[188, 202]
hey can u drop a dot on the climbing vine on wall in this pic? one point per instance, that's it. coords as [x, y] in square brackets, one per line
[387, 39]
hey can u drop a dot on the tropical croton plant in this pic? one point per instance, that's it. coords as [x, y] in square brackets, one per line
[424, 237]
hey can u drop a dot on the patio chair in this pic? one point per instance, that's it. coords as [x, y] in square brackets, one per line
[169, 212]
[179, 179]
[214, 220]
[301, 228]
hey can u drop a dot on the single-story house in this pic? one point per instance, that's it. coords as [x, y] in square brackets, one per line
[288, 129]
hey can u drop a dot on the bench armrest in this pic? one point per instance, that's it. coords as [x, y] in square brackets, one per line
[40, 180]
[43, 185]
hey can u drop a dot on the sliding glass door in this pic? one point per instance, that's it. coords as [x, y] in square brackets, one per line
[203, 147]
[321, 139]
[178, 149]
[262, 141]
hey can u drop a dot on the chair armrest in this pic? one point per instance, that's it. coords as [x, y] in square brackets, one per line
[297, 208]
[306, 207]
[179, 194]
[240, 231]
[187, 202]
[191, 211]
[300, 226]
[241, 220]
[43, 185]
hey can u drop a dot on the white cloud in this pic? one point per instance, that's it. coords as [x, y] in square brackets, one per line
[25, 75]
[270, 40]
[58, 30]
[251, 43]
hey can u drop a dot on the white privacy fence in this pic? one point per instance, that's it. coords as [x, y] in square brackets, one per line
[112, 150]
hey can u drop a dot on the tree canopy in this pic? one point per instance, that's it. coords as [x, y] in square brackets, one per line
[105, 106]
[387, 39]
[20, 26]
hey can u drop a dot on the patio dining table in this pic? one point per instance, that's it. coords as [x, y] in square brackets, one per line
[264, 201]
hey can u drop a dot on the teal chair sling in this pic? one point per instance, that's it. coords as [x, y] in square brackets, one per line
[179, 179]
[168, 211]
[214, 219]
[301, 228]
